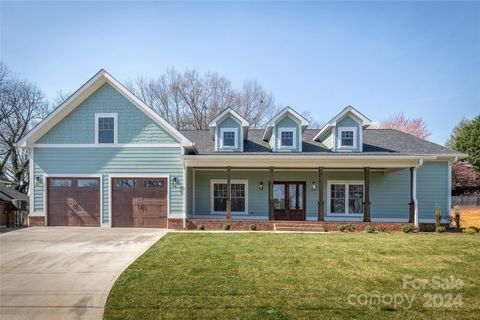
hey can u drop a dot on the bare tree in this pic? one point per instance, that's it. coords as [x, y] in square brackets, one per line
[190, 100]
[413, 126]
[22, 105]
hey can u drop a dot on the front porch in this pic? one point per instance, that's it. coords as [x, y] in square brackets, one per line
[324, 196]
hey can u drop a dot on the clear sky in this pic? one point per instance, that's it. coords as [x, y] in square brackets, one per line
[420, 58]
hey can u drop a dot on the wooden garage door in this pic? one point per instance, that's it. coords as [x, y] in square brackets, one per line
[139, 202]
[73, 201]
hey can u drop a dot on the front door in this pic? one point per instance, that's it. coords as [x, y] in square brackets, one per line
[289, 201]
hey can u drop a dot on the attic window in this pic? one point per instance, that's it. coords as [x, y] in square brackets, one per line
[106, 127]
[286, 137]
[228, 138]
[348, 137]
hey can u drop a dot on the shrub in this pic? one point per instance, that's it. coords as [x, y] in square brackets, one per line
[409, 228]
[470, 230]
[427, 228]
[440, 229]
[381, 229]
[226, 226]
[201, 227]
[370, 229]
[438, 215]
[253, 227]
[346, 227]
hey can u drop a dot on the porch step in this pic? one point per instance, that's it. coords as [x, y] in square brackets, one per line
[298, 227]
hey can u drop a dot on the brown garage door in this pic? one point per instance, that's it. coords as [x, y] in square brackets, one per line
[139, 202]
[73, 201]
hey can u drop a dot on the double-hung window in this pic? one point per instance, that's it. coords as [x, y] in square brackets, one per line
[219, 196]
[287, 138]
[345, 197]
[348, 137]
[228, 138]
[106, 128]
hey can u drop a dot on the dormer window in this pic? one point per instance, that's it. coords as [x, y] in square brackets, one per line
[287, 138]
[106, 128]
[348, 137]
[229, 138]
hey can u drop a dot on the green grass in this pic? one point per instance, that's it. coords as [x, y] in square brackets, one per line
[294, 276]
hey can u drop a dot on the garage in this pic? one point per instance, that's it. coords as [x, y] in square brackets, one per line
[139, 202]
[73, 201]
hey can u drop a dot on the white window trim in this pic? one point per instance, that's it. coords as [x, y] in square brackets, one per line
[279, 143]
[235, 131]
[355, 133]
[115, 127]
[224, 181]
[346, 183]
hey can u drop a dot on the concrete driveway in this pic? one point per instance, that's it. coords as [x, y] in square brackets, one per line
[65, 272]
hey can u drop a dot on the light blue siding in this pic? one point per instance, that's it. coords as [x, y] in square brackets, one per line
[229, 123]
[389, 191]
[286, 122]
[105, 161]
[134, 126]
[348, 122]
[432, 189]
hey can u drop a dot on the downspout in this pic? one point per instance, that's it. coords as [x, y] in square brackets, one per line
[415, 201]
[185, 190]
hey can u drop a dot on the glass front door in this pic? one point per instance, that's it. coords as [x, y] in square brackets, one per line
[289, 200]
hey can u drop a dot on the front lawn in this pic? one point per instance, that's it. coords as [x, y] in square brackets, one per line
[301, 276]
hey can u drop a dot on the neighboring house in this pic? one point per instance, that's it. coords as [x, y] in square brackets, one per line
[104, 158]
[11, 203]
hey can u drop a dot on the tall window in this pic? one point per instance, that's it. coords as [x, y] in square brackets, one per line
[106, 128]
[346, 197]
[347, 138]
[287, 137]
[219, 196]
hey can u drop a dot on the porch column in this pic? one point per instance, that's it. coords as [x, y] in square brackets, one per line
[366, 204]
[321, 203]
[229, 197]
[270, 194]
[411, 213]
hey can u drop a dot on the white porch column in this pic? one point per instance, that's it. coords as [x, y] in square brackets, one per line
[415, 200]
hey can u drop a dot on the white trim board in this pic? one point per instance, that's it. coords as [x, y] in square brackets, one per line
[232, 181]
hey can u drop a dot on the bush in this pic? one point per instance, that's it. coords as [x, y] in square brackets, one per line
[370, 229]
[226, 226]
[201, 227]
[427, 228]
[409, 228]
[438, 215]
[470, 230]
[346, 227]
[381, 229]
[440, 229]
[253, 227]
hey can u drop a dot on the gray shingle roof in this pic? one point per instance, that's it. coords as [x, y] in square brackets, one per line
[8, 194]
[375, 141]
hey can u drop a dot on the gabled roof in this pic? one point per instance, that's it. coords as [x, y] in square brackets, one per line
[348, 110]
[9, 194]
[224, 114]
[285, 111]
[84, 92]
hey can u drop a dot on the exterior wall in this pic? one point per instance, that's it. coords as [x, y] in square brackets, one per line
[229, 123]
[134, 126]
[328, 140]
[348, 122]
[106, 161]
[389, 192]
[286, 122]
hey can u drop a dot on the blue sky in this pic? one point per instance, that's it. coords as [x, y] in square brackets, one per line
[420, 58]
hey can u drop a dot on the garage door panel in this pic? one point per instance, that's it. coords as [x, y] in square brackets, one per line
[73, 201]
[139, 202]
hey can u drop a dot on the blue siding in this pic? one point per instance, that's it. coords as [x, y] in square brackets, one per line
[134, 126]
[71, 161]
[347, 121]
[432, 189]
[229, 123]
[286, 122]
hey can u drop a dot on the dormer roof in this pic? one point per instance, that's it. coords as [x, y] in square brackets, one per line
[349, 110]
[229, 112]
[279, 116]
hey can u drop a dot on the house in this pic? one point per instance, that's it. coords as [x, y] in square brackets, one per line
[12, 205]
[103, 158]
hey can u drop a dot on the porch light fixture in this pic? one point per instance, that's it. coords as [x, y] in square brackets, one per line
[174, 182]
[260, 185]
[314, 185]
